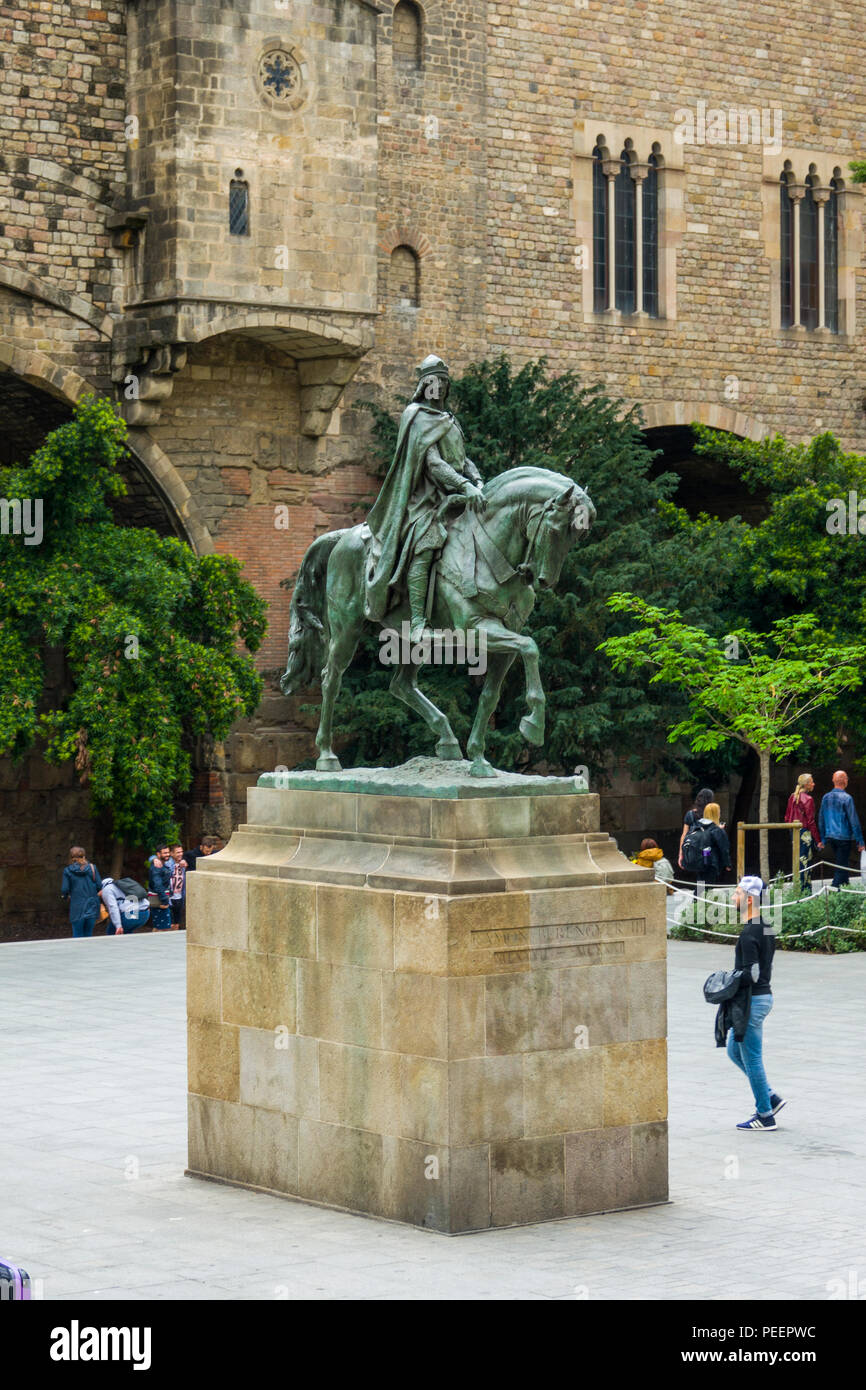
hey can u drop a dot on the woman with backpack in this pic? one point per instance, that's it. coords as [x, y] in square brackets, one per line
[705, 850]
[801, 807]
[704, 796]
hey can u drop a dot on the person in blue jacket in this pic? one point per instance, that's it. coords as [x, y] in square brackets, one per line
[160, 868]
[80, 887]
[839, 827]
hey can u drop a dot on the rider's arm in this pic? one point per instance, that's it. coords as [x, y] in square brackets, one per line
[471, 472]
[446, 478]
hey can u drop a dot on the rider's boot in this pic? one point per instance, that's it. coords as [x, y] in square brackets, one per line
[417, 582]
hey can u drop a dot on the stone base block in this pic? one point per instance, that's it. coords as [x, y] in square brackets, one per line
[447, 1011]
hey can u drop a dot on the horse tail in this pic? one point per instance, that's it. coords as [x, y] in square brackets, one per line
[307, 634]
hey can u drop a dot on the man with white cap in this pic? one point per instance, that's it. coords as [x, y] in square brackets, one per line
[754, 954]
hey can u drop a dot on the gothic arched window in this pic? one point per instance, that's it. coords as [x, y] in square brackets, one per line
[831, 258]
[625, 231]
[786, 249]
[624, 219]
[406, 34]
[650, 231]
[239, 205]
[809, 258]
[404, 287]
[599, 231]
[809, 235]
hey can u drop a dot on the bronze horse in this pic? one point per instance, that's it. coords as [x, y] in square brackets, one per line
[487, 576]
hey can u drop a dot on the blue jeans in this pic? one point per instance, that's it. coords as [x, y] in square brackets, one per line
[83, 926]
[161, 919]
[748, 1055]
[840, 853]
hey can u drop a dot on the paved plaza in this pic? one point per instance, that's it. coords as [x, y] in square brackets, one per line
[95, 1203]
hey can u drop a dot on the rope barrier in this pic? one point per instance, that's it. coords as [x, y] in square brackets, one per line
[788, 936]
[818, 864]
[793, 902]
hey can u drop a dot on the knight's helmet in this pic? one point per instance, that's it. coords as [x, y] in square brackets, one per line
[432, 366]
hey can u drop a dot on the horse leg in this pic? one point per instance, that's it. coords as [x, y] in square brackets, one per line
[499, 638]
[341, 649]
[497, 668]
[404, 687]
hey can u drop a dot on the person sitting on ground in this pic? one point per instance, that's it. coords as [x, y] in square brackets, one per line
[801, 807]
[649, 856]
[80, 885]
[126, 911]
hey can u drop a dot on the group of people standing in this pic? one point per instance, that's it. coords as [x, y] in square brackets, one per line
[705, 850]
[837, 830]
[123, 903]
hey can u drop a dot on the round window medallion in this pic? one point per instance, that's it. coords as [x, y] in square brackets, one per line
[282, 78]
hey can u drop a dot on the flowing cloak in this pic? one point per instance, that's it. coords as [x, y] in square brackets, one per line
[420, 427]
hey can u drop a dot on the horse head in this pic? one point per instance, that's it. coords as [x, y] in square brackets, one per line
[552, 531]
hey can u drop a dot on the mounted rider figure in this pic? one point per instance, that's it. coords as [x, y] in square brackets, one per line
[429, 473]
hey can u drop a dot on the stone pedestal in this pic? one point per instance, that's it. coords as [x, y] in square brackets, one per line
[436, 1001]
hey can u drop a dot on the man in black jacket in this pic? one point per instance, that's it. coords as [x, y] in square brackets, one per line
[754, 954]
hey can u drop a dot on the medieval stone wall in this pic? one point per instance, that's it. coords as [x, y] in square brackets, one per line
[429, 189]
[555, 68]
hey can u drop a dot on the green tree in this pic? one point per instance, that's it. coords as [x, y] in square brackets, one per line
[755, 687]
[151, 634]
[806, 556]
[640, 541]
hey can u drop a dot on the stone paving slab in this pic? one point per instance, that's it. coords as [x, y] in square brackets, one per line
[95, 1204]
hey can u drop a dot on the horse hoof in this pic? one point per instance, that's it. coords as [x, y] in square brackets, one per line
[482, 768]
[532, 729]
[448, 749]
[328, 762]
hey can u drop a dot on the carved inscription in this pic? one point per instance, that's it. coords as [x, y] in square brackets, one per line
[559, 943]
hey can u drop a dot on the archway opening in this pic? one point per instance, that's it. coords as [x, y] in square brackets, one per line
[705, 485]
[28, 415]
[45, 808]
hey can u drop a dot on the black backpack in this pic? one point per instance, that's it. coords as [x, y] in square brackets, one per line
[131, 888]
[698, 838]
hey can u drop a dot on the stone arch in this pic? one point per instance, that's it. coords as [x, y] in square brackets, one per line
[57, 297]
[407, 34]
[296, 333]
[169, 483]
[720, 417]
[406, 236]
[404, 279]
[66, 386]
[705, 486]
[328, 353]
[49, 171]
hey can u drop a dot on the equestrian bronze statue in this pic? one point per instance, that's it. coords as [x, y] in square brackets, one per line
[440, 552]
